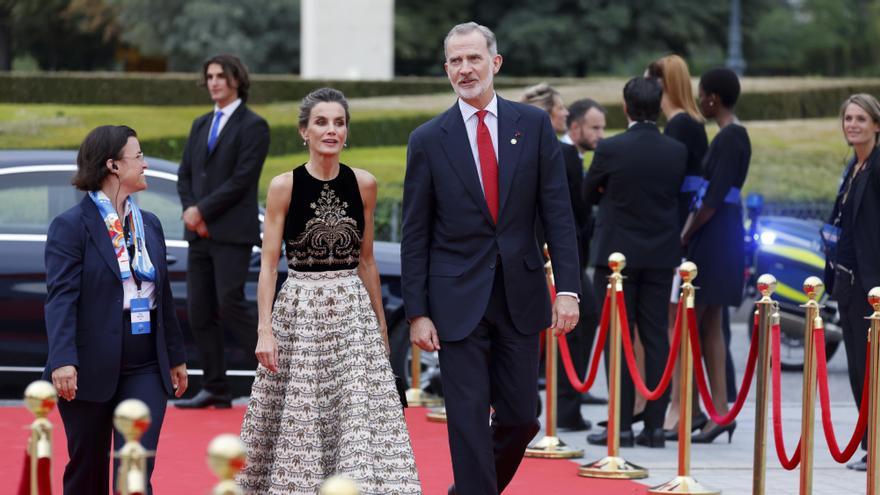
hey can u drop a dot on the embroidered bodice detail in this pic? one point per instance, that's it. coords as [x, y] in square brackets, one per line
[325, 222]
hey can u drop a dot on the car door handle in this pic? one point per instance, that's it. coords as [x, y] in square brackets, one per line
[170, 259]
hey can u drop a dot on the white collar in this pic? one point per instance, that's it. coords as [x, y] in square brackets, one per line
[228, 109]
[467, 111]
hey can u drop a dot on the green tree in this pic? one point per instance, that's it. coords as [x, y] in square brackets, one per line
[264, 33]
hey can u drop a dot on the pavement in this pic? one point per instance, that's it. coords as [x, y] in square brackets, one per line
[728, 467]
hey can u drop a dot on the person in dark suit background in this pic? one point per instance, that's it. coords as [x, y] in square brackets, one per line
[472, 280]
[852, 268]
[105, 275]
[637, 176]
[568, 412]
[217, 184]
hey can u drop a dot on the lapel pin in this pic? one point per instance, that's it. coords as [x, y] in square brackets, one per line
[513, 141]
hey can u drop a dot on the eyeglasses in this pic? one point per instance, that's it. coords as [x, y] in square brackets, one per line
[139, 157]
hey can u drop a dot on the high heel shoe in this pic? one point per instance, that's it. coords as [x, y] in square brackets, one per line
[709, 436]
[696, 424]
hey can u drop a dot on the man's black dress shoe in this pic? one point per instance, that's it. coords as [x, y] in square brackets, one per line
[653, 438]
[626, 438]
[637, 418]
[859, 465]
[204, 399]
[579, 424]
[588, 398]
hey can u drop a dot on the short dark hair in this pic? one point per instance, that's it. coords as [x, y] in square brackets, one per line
[233, 68]
[102, 144]
[723, 82]
[322, 95]
[642, 96]
[579, 108]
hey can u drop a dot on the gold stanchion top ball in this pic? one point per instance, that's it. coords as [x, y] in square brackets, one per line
[766, 284]
[688, 271]
[40, 398]
[338, 485]
[132, 418]
[874, 298]
[617, 262]
[226, 455]
[813, 286]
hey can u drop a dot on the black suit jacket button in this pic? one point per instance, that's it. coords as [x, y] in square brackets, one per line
[491, 266]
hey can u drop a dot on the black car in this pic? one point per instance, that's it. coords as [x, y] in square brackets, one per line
[35, 187]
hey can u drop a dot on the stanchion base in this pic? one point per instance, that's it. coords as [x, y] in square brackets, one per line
[417, 397]
[437, 415]
[613, 468]
[683, 484]
[552, 448]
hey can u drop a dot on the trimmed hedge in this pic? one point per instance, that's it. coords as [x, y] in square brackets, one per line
[114, 88]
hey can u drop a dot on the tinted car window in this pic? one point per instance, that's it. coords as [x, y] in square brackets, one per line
[30, 200]
[161, 198]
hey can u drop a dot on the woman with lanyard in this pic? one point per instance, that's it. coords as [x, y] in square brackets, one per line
[713, 233]
[112, 330]
[852, 239]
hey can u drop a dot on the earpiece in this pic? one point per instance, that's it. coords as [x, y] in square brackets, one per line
[114, 166]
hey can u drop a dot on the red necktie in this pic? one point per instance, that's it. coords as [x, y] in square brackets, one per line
[488, 165]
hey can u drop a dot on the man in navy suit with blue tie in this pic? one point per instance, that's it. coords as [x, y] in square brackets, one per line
[217, 184]
[477, 178]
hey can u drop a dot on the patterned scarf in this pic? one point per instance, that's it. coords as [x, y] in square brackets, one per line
[143, 267]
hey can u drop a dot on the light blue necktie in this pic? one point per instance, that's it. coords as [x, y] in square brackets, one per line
[215, 126]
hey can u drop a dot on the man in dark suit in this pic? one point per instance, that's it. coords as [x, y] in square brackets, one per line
[217, 183]
[477, 177]
[637, 176]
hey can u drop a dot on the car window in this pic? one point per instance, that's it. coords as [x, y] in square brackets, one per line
[30, 200]
[161, 198]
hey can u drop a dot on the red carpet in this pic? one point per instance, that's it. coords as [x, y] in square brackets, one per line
[181, 468]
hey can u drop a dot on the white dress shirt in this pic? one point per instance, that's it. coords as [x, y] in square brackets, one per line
[227, 111]
[469, 114]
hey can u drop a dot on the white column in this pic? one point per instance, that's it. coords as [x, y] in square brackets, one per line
[347, 39]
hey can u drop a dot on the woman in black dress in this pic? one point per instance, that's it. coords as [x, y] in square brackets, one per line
[685, 124]
[852, 267]
[713, 233]
[323, 401]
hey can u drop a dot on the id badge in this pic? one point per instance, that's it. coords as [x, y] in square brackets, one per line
[140, 316]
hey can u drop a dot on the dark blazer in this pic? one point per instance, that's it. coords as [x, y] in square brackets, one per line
[84, 302]
[450, 243]
[641, 172]
[574, 174]
[866, 218]
[224, 183]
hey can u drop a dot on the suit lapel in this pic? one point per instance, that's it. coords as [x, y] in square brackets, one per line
[509, 145]
[98, 233]
[860, 185]
[458, 150]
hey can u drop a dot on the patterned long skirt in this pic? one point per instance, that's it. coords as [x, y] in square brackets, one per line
[332, 407]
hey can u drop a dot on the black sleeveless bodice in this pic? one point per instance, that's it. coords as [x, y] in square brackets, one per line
[325, 222]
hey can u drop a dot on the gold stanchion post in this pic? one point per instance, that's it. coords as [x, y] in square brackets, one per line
[40, 398]
[551, 446]
[612, 465]
[226, 457]
[684, 482]
[415, 396]
[132, 419]
[813, 287]
[766, 287]
[874, 395]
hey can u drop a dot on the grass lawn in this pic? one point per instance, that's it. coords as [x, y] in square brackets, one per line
[799, 160]
[64, 126]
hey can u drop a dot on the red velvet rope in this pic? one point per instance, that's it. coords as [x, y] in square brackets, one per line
[703, 387]
[570, 372]
[631, 357]
[787, 463]
[822, 379]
